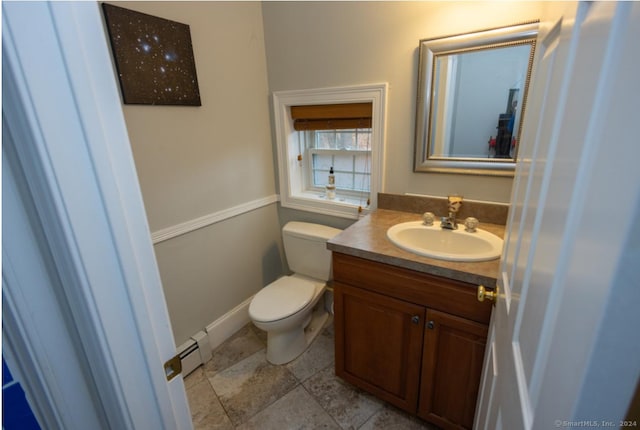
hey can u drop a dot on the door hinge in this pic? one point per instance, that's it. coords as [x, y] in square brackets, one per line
[173, 367]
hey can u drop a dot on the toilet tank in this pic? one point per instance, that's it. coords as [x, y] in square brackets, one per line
[305, 246]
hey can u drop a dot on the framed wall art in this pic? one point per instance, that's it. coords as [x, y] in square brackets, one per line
[153, 57]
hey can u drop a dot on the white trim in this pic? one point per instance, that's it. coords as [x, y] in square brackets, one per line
[524, 401]
[291, 180]
[78, 170]
[313, 202]
[225, 326]
[212, 218]
[25, 282]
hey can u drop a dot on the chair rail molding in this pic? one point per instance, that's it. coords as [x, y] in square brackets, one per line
[212, 218]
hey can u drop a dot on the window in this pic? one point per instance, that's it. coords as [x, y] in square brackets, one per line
[339, 128]
[348, 152]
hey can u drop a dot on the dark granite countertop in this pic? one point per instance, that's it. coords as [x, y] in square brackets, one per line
[367, 238]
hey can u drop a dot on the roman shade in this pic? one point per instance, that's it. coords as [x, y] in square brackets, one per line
[331, 116]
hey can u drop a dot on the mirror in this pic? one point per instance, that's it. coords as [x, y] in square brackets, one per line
[472, 95]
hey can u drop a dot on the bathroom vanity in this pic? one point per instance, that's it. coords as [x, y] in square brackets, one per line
[409, 329]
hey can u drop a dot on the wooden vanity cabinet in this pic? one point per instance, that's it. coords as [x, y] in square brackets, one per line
[412, 339]
[380, 342]
[451, 369]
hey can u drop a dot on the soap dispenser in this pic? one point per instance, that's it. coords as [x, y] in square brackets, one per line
[331, 186]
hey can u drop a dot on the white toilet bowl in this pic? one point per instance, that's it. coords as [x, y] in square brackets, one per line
[286, 309]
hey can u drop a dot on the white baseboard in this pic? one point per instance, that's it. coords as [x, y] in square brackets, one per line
[225, 326]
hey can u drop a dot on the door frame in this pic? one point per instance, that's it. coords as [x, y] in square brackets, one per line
[72, 160]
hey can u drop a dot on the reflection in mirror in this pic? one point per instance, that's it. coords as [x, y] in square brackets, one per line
[471, 100]
[475, 104]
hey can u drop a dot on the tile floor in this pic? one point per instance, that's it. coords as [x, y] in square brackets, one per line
[239, 389]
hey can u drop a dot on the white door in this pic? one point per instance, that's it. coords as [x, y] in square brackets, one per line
[85, 327]
[566, 316]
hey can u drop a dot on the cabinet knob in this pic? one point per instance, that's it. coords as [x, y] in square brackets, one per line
[430, 325]
[415, 319]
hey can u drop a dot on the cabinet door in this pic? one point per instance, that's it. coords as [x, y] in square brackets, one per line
[451, 369]
[379, 344]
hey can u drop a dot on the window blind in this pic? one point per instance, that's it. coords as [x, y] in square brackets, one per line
[332, 116]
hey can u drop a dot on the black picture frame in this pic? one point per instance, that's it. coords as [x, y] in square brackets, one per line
[153, 57]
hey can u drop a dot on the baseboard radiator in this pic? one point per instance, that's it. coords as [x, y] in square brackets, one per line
[198, 349]
[194, 352]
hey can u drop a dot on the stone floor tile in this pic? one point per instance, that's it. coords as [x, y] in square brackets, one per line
[214, 422]
[206, 410]
[317, 357]
[241, 345]
[296, 410]
[391, 418]
[251, 385]
[194, 378]
[349, 406]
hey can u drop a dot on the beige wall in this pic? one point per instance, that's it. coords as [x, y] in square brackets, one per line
[208, 272]
[195, 161]
[323, 44]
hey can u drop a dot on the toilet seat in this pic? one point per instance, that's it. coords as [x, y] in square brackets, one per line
[281, 299]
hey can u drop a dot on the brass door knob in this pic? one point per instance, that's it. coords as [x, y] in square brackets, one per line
[488, 295]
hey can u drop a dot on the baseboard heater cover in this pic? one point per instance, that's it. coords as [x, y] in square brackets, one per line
[198, 349]
[194, 352]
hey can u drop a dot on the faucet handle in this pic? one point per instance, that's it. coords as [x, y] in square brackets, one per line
[428, 218]
[471, 224]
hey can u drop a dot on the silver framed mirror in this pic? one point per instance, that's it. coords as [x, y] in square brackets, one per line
[471, 100]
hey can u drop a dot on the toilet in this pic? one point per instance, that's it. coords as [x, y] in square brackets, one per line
[288, 309]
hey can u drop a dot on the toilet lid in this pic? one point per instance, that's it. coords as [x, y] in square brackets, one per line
[281, 298]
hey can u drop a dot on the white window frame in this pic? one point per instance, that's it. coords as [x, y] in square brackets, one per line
[295, 192]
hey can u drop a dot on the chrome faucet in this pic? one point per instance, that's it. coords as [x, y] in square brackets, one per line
[449, 222]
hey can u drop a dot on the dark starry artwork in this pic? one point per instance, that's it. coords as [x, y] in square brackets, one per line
[154, 58]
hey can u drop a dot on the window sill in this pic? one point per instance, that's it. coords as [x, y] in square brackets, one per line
[314, 201]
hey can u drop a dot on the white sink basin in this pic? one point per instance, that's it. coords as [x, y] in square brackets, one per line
[452, 245]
